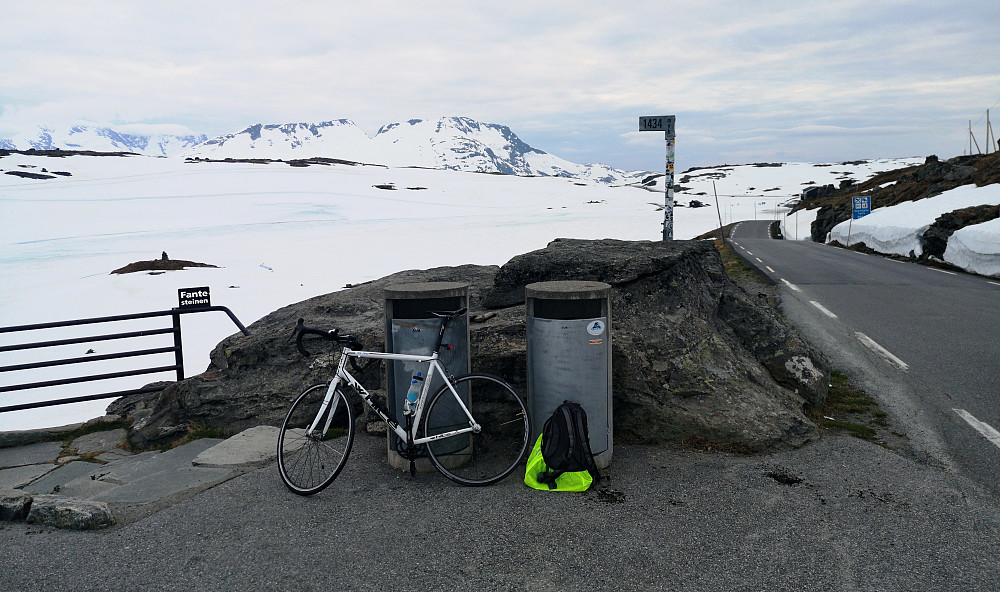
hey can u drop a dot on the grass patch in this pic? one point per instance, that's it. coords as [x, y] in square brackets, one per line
[850, 410]
[733, 264]
[334, 433]
[198, 431]
[855, 429]
[67, 437]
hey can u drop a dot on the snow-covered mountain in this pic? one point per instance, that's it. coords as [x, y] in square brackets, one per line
[339, 138]
[101, 139]
[451, 143]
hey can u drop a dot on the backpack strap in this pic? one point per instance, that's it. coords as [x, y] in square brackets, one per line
[549, 478]
[584, 429]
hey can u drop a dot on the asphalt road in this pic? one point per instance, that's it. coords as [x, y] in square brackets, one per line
[940, 332]
[840, 514]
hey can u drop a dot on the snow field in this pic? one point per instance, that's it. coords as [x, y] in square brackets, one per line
[278, 234]
[282, 234]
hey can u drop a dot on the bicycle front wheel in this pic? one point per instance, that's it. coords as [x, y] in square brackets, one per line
[487, 456]
[310, 458]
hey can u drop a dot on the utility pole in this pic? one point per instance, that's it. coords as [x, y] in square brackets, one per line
[990, 138]
[972, 138]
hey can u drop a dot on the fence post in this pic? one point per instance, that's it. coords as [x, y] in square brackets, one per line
[178, 345]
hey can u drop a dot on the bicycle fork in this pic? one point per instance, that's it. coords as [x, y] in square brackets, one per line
[327, 401]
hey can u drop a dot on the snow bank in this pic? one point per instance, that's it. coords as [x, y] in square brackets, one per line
[976, 248]
[897, 229]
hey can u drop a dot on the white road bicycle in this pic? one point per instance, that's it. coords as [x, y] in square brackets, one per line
[474, 428]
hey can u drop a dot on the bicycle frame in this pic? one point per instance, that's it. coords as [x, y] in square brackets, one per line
[343, 376]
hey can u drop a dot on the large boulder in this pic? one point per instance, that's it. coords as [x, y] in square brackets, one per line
[695, 357]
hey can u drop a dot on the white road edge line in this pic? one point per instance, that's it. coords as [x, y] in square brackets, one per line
[870, 344]
[823, 309]
[981, 426]
[772, 271]
[943, 271]
[994, 283]
[758, 259]
[791, 285]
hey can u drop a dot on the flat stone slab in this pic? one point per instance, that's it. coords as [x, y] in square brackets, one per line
[250, 448]
[79, 493]
[20, 477]
[163, 485]
[139, 479]
[99, 441]
[86, 487]
[53, 481]
[27, 437]
[31, 454]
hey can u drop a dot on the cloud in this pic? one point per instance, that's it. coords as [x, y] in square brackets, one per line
[572, 76]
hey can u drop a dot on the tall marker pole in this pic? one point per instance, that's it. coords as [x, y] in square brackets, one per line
[668, 207]
[664, 123]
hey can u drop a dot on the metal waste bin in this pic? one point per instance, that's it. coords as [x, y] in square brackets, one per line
[409, 329]
[568, 331]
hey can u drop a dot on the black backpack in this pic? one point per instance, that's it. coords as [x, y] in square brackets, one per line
[566, 444]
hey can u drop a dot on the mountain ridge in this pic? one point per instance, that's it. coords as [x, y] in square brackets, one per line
[448, 143]
[98, 138]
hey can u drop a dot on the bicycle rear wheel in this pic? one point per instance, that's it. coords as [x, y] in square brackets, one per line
[487, 456]
[311, 460]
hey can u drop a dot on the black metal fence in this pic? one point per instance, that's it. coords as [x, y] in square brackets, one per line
[177, 349]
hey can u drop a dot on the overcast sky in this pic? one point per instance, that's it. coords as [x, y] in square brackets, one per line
[748, 81]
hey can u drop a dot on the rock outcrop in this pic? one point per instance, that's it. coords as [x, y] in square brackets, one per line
[910, 184]
[695, 357]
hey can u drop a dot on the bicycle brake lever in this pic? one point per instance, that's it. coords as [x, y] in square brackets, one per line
[296, 330]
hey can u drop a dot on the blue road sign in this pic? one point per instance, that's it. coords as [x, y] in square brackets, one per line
[862, 206]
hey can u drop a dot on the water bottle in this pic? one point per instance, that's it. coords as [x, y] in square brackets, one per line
[410, 405]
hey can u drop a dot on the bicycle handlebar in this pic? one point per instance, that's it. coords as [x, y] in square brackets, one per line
[353, 343]
[334, 335]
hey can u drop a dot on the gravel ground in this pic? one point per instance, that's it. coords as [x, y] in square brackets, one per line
[839, 514]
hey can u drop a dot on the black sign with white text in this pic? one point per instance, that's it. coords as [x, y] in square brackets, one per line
[658, 123]
[193, 297]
